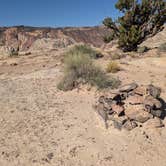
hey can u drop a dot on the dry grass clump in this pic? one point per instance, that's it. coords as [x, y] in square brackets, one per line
[113, 67]
[79, 68]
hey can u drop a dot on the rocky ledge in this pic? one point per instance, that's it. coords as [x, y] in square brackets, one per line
[131, 106]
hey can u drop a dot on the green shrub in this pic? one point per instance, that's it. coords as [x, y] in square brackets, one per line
[138, 21]
[84, 49]
[79, 68]
[129, 38]
[162, 47]
[108, 38]
[142, 49]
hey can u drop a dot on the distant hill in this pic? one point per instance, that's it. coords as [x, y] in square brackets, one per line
[24, 38]
[31, 39]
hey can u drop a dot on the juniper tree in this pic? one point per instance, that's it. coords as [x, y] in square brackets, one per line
[141, 19]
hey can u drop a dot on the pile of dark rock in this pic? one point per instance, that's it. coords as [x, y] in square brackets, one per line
[131, 106]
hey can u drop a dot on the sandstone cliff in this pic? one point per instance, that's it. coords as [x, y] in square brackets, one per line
[22, 38]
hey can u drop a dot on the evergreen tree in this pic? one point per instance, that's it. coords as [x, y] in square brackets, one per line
[141, 19]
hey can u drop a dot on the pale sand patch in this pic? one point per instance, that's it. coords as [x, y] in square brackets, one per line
[40, 125]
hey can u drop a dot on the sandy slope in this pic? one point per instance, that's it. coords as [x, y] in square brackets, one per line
[40, 125]
[156, 40]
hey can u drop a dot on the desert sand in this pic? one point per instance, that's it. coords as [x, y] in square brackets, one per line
[41, 125]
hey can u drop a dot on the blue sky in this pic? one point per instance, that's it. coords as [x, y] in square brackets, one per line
[56, 13]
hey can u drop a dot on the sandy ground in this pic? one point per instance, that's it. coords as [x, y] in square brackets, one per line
[40, 125]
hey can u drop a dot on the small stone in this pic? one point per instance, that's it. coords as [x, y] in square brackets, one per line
[14, 64]
[105, 101]
[129, 125]
[108, 100]
[135, 100]
[154, 123]
[107, 106]
[124, 95]
[103, 114]
[50, 156]
[128, 87]
[117, 125]
[137, 113]
[152, 103]
[101, 111]
[118, 109]
[157, 113]
[110, 94]
[119, 121]
[140, 90]
[101, 99]
[143, 117]
[154, 91]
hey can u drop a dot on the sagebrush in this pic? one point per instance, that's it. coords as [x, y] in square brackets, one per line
[84, 49]
[80, 69]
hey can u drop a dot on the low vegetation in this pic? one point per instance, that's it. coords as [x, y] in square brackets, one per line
[84, 49]
[80, 69]
[162, 47]
[112, 67]
[109, 38]
[142, 49]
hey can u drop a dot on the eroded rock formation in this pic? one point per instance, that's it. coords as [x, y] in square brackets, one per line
[29, 38]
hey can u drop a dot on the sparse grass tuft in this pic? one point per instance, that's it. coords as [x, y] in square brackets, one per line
[79, 68]
[112, 67]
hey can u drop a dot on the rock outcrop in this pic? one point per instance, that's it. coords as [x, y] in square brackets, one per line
[156, 41]
[132, 105]
[29, 38]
